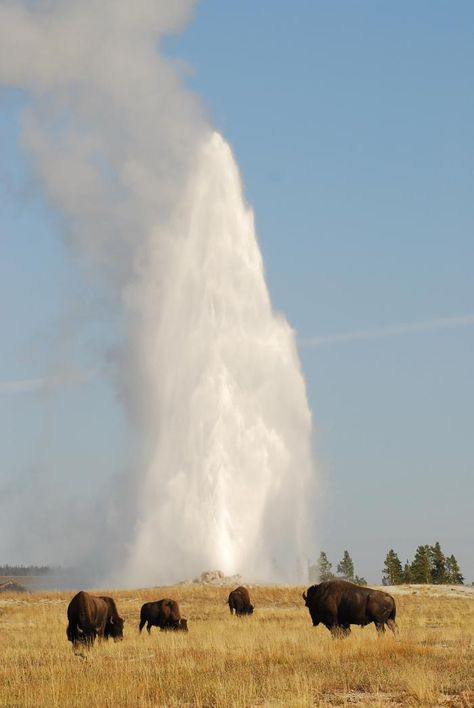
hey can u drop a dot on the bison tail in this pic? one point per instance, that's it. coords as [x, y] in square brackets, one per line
[391, 624]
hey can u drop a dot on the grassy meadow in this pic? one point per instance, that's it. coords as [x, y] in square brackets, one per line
[274, 657]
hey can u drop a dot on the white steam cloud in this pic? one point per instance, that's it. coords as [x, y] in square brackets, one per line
[209, 375]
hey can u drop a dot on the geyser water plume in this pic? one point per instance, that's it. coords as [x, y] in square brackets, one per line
[208, 373]
[228, 482]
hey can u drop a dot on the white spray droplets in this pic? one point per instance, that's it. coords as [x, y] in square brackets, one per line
[229, 478]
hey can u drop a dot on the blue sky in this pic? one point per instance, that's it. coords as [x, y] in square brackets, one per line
[353, 125]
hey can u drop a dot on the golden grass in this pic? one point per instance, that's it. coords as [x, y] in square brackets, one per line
[274, 657]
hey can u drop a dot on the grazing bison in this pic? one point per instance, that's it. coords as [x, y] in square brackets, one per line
[337, 604]
[239, 602]
[163, 614]
[90, 617]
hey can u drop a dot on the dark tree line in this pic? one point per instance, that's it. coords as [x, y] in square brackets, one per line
[430, 565]
[322, 570]
[25, 570]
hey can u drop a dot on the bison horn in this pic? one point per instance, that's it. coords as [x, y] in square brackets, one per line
[304, 596]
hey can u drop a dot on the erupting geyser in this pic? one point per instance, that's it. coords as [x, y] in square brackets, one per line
[208, 373]
[229, 478]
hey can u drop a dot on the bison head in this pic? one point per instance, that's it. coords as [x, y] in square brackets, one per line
[114, 628]
[310, 594]
[310, 600]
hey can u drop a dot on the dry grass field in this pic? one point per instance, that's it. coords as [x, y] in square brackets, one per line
[272, 658]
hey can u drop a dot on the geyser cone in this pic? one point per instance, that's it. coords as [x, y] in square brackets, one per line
[231, 469]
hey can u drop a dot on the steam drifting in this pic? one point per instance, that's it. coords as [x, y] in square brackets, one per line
[208, 373]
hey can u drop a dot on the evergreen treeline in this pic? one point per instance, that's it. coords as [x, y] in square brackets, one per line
[430, 565]
[25, 570]
[322, 570]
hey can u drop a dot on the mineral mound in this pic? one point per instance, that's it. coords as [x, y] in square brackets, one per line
[11, 586]
[217, 577]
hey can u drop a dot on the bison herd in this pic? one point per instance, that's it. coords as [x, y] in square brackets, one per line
[335, 603]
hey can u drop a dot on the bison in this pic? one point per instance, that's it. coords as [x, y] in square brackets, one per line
[239, 602]
[163, 614]
[338, 603]
[90, 616]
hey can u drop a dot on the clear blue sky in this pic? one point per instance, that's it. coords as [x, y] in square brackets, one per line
[353, 125]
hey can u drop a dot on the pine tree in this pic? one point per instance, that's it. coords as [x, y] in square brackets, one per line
[421, 567]
[453, 572]
[393, 571]
[324, 568]
[407, 576]
[438, 565]
[346, 567]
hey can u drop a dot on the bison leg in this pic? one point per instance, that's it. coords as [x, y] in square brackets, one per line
[74, 636]
[80, 637]
[391, 624]
[338, 631]
[141, 625]
[380, 627]
[148, 627]
[88, 637]
[100, 632]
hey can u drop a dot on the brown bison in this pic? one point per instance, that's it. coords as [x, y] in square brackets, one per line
[90, 616]
[337, 604]
[239, 602]
[163, 614]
